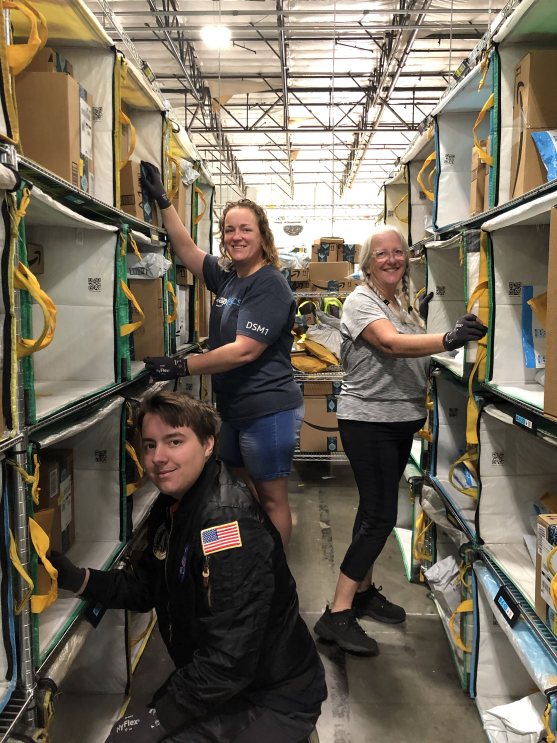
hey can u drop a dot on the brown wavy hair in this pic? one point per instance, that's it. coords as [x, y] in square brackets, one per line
[270, 252]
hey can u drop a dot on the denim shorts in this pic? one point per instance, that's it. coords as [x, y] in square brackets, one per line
[264, 446]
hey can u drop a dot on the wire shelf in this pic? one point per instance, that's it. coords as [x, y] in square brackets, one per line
[325, 376]
[319, 456]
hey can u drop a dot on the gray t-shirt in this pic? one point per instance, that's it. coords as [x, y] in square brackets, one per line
[377, 387]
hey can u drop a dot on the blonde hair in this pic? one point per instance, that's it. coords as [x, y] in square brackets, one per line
[270, 252]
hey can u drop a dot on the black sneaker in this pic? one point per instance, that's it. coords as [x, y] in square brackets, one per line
[373, 604]
[342, 628]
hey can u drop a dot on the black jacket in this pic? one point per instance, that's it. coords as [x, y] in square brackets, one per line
[230, 620]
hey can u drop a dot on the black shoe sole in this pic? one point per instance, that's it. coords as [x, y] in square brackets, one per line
[325, 633]
[361, 614]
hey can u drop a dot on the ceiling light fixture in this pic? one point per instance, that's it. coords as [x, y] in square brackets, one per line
[249, 151]
[216, 37]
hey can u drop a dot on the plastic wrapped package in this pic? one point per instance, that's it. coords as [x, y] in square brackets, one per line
[151, 266]
[326, 335]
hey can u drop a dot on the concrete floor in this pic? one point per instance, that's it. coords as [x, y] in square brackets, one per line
[410, 693]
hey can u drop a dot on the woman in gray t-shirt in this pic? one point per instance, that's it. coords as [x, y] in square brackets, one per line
[385, 352]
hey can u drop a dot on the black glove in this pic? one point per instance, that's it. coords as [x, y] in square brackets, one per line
[144, 727]
[423, 304]
[152, 183]
[70, 577]
[162, 368]
[467, 328]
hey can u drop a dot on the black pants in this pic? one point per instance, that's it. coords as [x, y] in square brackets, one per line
[378, 454]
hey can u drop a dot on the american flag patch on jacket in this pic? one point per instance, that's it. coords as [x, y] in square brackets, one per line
[219, 538]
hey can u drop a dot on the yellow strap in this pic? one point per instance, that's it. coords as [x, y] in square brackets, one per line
[199, 192]
[430, 176]
[173, 191]
[20, 213]
[550, 738]
[484, 66]
[419, 540]
[134, 246]
[29, 479]
[381, 216]
[41, 544]
[171, 318]
[484, 157]
[145, 631]
[14, 556]
[464, 607]
[425, 434]
[430, 131]
[470, 455]
[418, 295]
[125, 120]
[463, 568]
[429, 194]
[129, 421]
[21, 55]
[401, 219]
[132, 487]
[132, 326]
[24, 279]
[539, 308]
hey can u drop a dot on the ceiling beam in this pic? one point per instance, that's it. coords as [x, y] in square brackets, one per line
[321, 12]
[284, 73]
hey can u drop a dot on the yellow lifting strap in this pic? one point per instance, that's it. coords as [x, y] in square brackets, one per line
[539, 308]
[21, 55]
[199, 192]
[41, 543]
[380, 217]
[482, 154]
[135, 249]
[426, 435]
[330, 302]
[463, 568]
[145, 632]
[171, 318]
[29, 479]
[401, 219]
[20, 213]
[430, 131]
[132, 487]
[419, 539]
[132, 326]
[16, 562]
[429, 159]
[430, 176]
[125, 120]
[467, 459]
[484, 66]
[24, 279]
[464, 607]
[171, 193]
[416, 298]
[550, 738]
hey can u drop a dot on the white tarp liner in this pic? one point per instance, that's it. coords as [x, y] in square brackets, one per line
[415, 150]
[442, 577]
[149, 137]
[517, 722]
[451, 401]
[437, 511]
[79, 276]
[182, 322]
[96, 446]
[445, 278]
[472, 269]
[516, 470]
[421, 208]
[204, 226]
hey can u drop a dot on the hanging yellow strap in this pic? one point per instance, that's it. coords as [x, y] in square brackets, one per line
[416, 298]
[380, 217]
[462, 608]
[145, 632]
[422, 527]
[129, 420]
[463, 568]
[29, 479]
[125, 120]
[171, 193]
[426, 435]
[41, 544]
[132, 326]
[199, 192]
[21, 55]
[482, 154]
[470, 456]
[539, 308]
[24, 279]
[430, 131]
[484, 66]
[550, 738]
[171, 318]
[14, 556]
[21, 211]
[430, 159]
[132, 487]
[430, 176]
[134, 246]
[401, 219]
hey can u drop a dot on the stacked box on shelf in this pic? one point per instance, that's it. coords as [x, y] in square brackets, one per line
[396, 201]
[319, 432]
[419, 162]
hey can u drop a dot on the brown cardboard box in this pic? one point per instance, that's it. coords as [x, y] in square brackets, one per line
[133, 201]
[47, 60]
[320, 389]
[55, 124]
[303, 286]
[125, 133]
[320, 413]
[349, 253]
[324, 252]
[148, 340]
[527, 168]
[550, 389]
[478, 181]
[321, 274]
[56, 483]
[488, 170]
[203, 310]
[299, 274]
[35, 258]
[183, 276]
[535, 91]
[336, 240]
[546, 540]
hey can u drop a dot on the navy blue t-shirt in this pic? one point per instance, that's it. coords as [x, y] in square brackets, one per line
[260, 306]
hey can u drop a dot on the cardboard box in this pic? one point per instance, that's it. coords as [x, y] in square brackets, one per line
[56, 125]
[478, 182]
[47, 60]
[35, 258]
[527, 168]
[546, 540]
[303, 286]
[295, 277]
[535, 91]
[320, 427]
[180, 201]
[349, 252]
[320, 389]
[488, 170]
[125, 133]
[550, 388]
[203, 311]
[331, 277]
[183, 276]
[133, 200]
[336, 240]
[56, 483]
[148, 340]
[324, 252]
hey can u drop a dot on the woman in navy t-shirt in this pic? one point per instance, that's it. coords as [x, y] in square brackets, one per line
[250, 340]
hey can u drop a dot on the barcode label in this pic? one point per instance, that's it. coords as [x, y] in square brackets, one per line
[138, 271]
[86, 143]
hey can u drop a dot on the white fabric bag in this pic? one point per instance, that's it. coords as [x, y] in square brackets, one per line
[518, 722]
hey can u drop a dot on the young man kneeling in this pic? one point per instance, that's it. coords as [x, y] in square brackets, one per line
[214, 569]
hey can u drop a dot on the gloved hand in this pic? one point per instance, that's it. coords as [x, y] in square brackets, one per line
[152, 183]
[144, 727]
[70, 577]
[162, 368]
[467, 328]
[423, 304]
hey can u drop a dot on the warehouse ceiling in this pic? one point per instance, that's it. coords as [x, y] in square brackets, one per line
[305, 92]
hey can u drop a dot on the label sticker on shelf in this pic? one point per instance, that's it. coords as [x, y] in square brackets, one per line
[525, 420]
[507, 606]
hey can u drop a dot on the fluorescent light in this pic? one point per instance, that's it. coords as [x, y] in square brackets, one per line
[216, 37]
[249, 151]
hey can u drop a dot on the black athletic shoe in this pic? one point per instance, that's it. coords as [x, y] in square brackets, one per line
[342, 628]
[373, 604]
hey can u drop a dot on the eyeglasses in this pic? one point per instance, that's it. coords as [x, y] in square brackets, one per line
[383, 255]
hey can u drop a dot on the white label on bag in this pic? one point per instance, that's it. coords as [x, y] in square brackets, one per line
[85, 129]
[65, 501]
[54, 483]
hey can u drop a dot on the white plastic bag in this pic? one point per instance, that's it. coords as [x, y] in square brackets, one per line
[326, 335]
[441, 577]
[188, 173]
[518, 722]
[154, 266]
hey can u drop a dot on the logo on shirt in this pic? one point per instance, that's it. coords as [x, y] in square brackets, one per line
[257, 328]
[224, 302]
